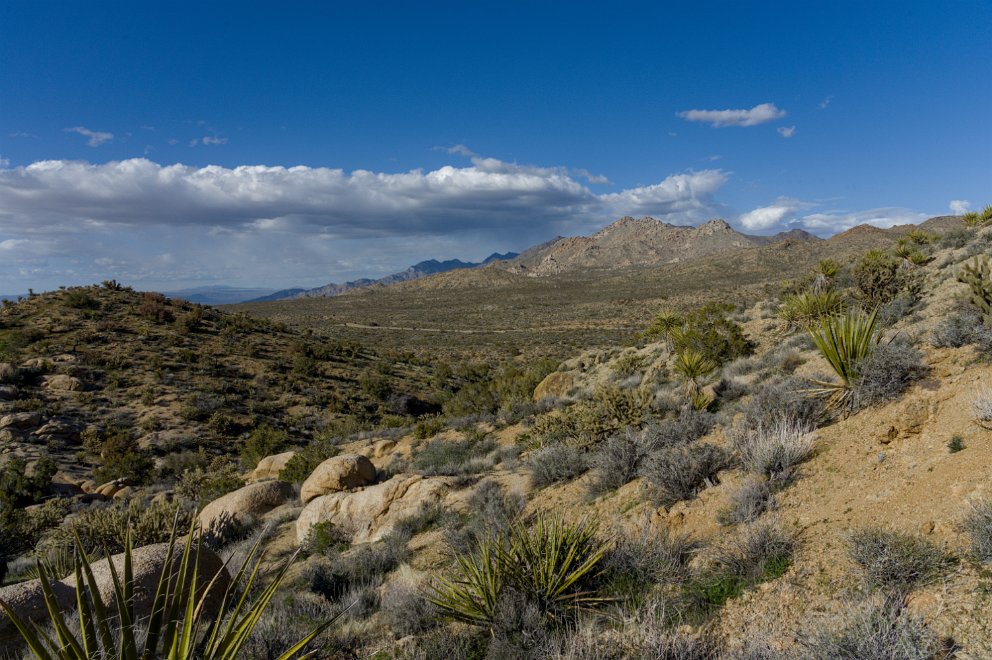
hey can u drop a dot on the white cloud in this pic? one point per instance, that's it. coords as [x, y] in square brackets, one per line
[94, 138]
[831, 222]
[959, 206]
[787, 131]
[213, 140]
[759, 114]
[461, 150]
[233, 222]
[825, 102]
[773, 215]
[597, 179]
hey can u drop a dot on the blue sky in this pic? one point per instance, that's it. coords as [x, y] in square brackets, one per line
[301, 143]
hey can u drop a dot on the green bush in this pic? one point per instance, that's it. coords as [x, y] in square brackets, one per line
[107, 528]
[306, 460]
[263, 441]
[878, 278]
[706, 331]
[122, 459]
[428, 426]
[206, 483]
[977, 274]
[805, 310]
[453, 457]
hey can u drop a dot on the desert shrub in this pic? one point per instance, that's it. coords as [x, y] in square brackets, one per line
[896, 560]
[107, 528]
[878, 629]
[551, 564]
[978, 527]
[775, 450]
[428, 426]
[747, 502]
[263, 441]
[689, 425]
[730, 389]
[206, 483]
[706, 331]
[79, 298]
[289, 618]
[587, 423]
[678, 473]
[878, 277]
[555, 463]
[617, 461]
[483, 389]
[787, 399]
[306, 460]
[406, 608]
[978, 218]
[634, 564]
[981, 407]
[758, 552]
[804, 310]
[362, 566]
[628, 364]
[887, 372]
[958, 329]
[977, 274]
[21, 485]
[493, 510]
[956, 238]
[155, 306]
[122, 459]
[453, 457]
[896, 309]
[191, 321]
[325, 538]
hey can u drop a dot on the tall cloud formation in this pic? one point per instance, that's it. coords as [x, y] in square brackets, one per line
[140, 212]
[759, 114]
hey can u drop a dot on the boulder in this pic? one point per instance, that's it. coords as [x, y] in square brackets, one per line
[8, 392]
[371, 513]
[57, 430]
[21, 420]
[239, 506]
[8, 373]
[554, 386]
[64, 383]
[270, 466]
[336, 474]
[28, 600]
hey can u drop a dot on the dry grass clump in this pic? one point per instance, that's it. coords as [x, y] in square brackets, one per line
[678, 473]
[748, 502]
[981, 406]
[878, 629]
[978, 526]
[554, 464]
[775, 450]
[896, 561]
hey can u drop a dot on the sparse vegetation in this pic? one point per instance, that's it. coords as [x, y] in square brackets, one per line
[678, 473]
[555, 463]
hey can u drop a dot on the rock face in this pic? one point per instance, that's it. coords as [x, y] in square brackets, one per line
[371, 513]
[63, 383]
[336, 474]
[270, 466]
[23, 420]
[27, 599]
[244, 503]
[555, 385]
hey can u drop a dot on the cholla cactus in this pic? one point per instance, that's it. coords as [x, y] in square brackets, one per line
[976, 275]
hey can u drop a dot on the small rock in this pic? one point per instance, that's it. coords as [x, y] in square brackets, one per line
[124, 492]
[927, 527]
[270, 466]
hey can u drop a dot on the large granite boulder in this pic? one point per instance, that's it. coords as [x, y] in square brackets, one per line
[336, 474]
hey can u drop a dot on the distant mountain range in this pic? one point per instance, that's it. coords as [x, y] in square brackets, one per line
[414, 272]
[631, 242]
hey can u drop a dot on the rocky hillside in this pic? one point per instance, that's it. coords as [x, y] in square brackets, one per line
[639, 242]
[716, 488]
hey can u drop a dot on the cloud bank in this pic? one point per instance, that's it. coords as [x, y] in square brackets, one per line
[759, 114]
[71, 218]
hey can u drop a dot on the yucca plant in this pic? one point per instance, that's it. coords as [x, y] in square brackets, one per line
[978, 218]
[666, 324]
[805, 310]
[920, 236]
[178, 627]
[845, 341]
[551, 564]
[692, 365]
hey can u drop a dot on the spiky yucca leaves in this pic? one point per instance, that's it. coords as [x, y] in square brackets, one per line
[178, 627]
[551, 564]
[977, 274]
[692, 365]
[920, 236]
[978, 218]
[845, 341]
[666, 324]
[805, 310]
